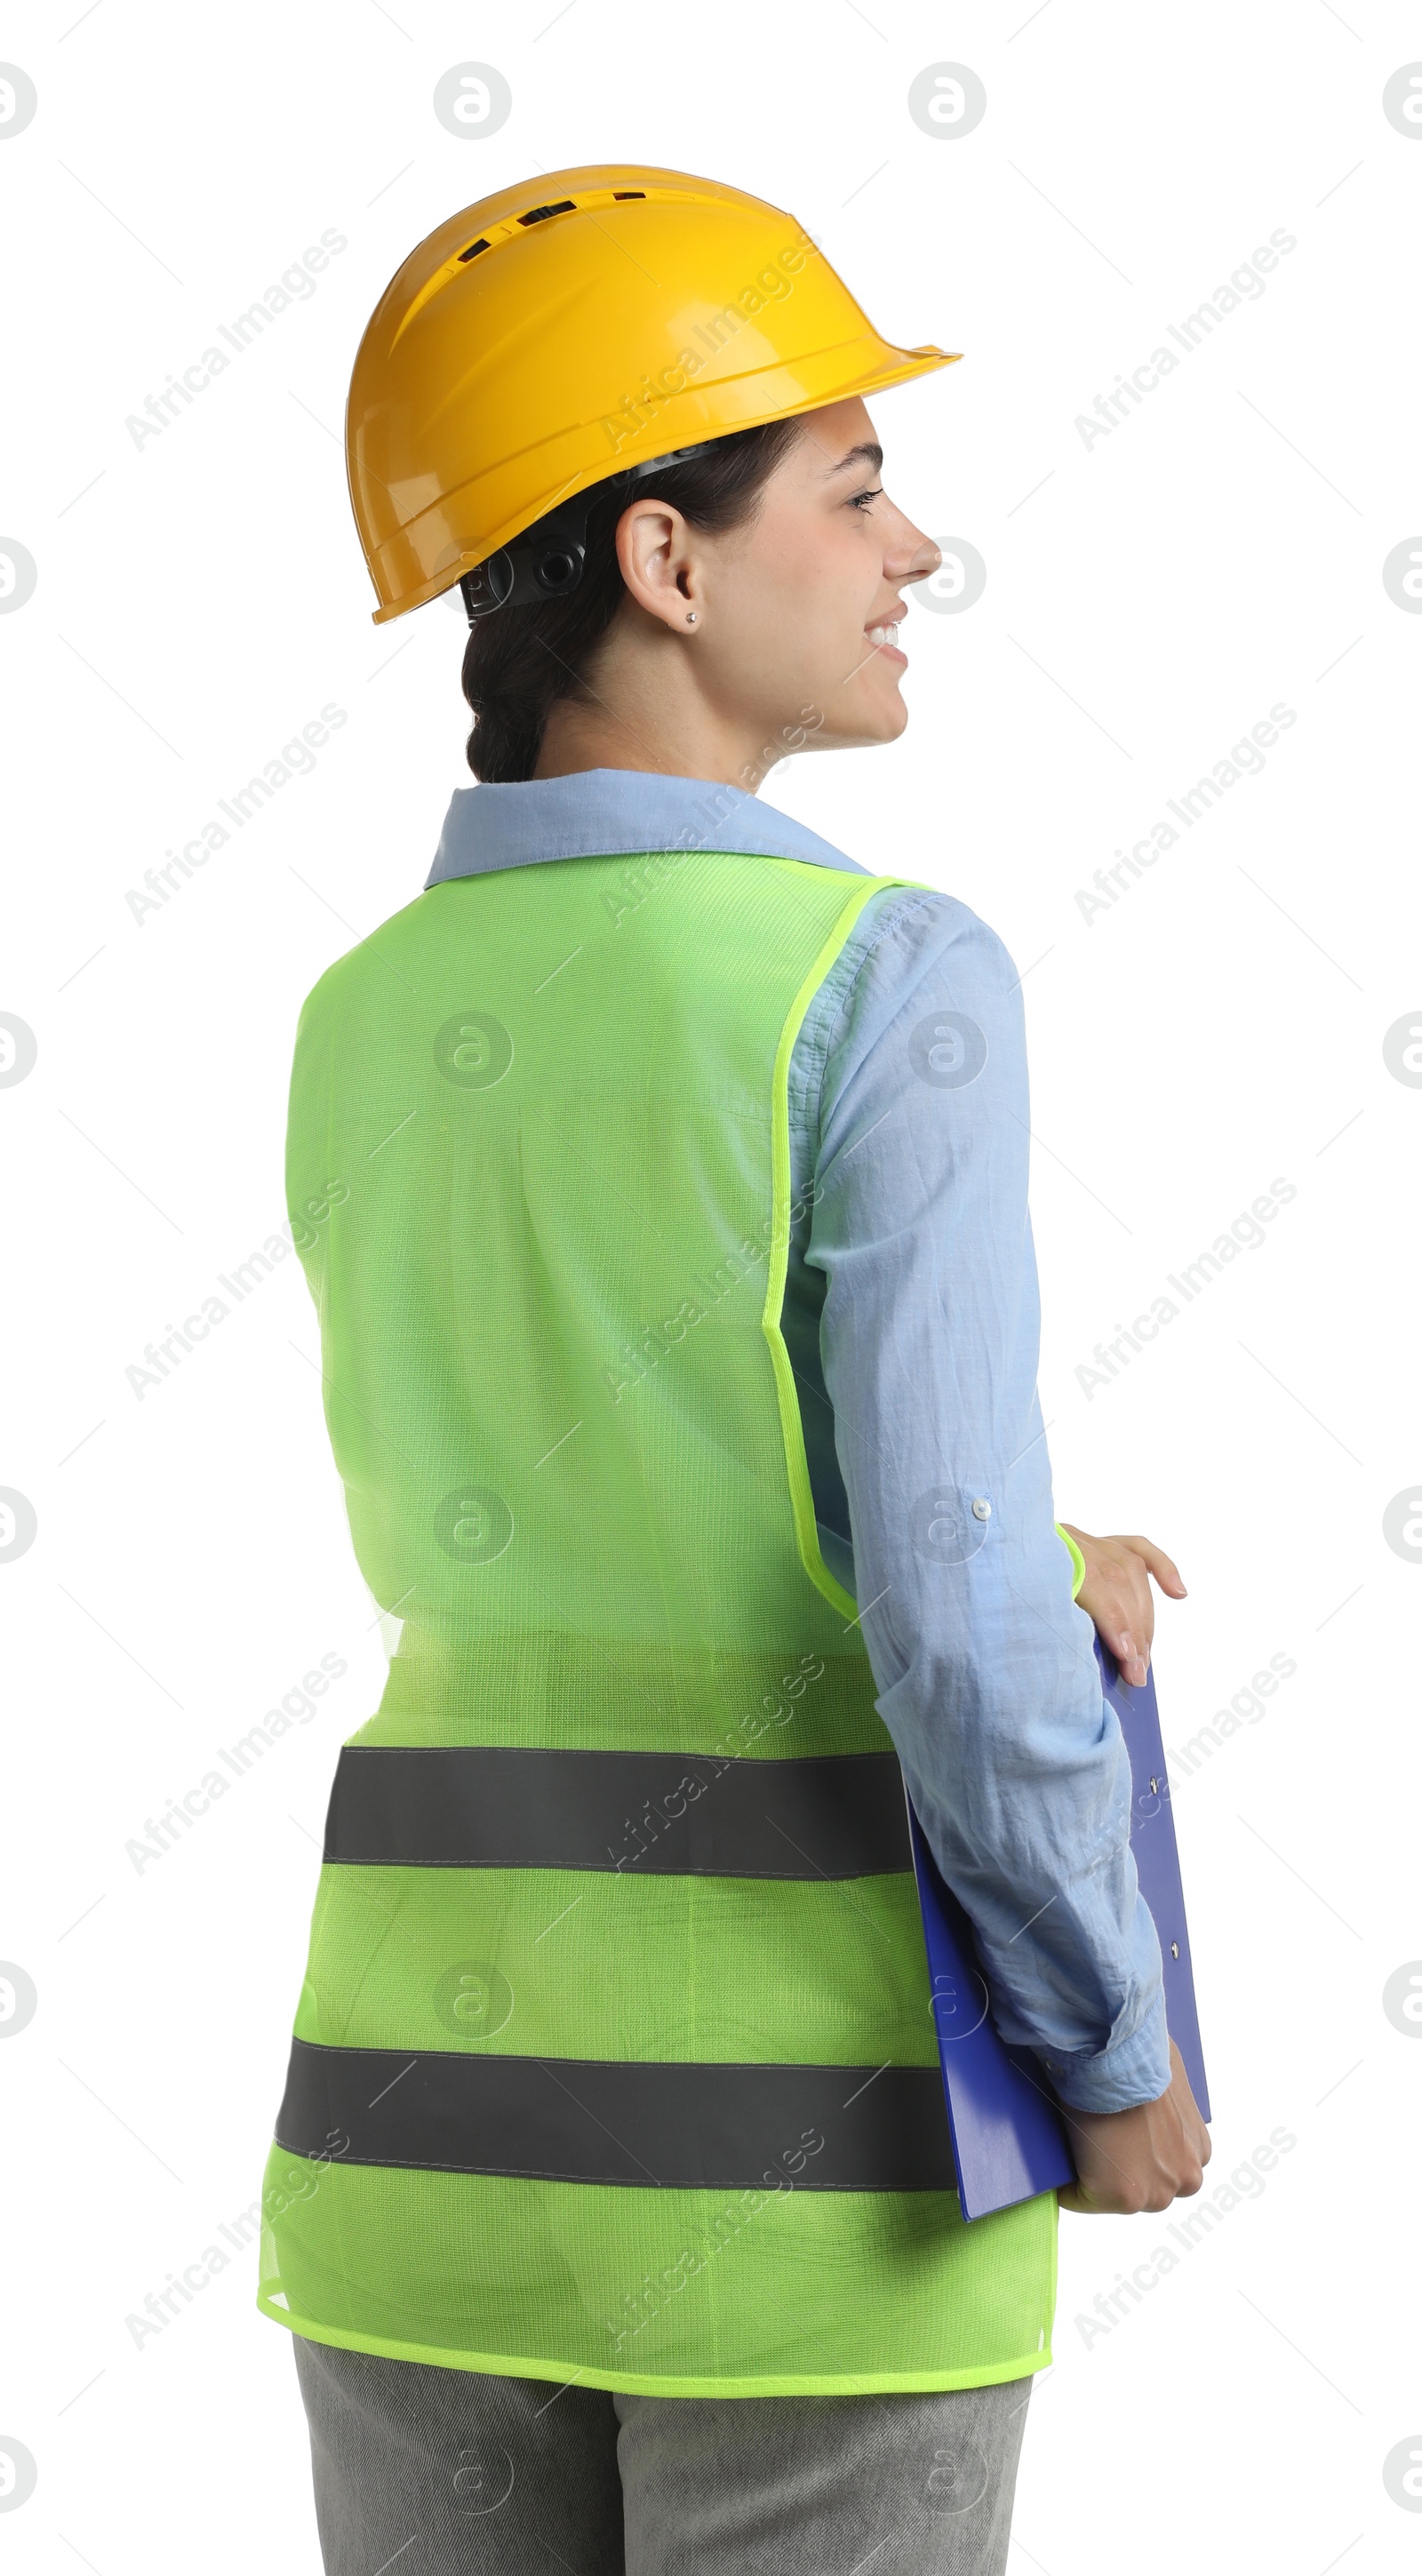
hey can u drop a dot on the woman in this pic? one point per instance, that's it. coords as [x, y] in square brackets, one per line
[660, 1179]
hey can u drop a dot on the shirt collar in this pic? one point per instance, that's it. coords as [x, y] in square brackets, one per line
[601, 813]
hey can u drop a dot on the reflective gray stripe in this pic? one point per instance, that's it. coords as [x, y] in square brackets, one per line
[833, 1815]
[673, 2127]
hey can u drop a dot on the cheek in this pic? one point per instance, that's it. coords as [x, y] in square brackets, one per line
[835, 594]
[796, 613]
[789, 627]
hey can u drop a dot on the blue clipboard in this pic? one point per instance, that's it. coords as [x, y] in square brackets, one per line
[1009, 2139]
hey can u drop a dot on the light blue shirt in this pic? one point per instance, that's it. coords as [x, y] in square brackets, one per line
[911, 1317]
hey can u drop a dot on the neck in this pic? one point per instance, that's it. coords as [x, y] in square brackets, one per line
[644, 709]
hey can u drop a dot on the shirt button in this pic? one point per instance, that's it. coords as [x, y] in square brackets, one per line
[982, 1509]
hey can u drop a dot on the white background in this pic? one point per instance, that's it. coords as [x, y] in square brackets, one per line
[1148, 599]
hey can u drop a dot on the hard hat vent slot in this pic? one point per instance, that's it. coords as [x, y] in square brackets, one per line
[540, 214]
[474, 249]
[619, 195]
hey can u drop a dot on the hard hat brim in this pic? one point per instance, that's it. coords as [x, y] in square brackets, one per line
[681, 423]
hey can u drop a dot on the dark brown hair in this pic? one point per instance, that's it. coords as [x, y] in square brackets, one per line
[519, 662]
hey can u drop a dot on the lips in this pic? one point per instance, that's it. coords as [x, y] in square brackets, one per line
[883, 632]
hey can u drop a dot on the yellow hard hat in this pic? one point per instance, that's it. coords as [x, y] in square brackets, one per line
[562, 330]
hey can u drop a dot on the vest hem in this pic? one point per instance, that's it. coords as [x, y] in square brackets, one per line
[635, 2383]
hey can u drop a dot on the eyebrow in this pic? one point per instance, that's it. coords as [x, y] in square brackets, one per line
[867, 453]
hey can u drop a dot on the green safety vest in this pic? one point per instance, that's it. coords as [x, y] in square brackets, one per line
[614, 2059]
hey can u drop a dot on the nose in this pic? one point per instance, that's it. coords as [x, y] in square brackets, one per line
[915, 560]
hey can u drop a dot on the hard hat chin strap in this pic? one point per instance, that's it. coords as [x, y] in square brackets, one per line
[546, 561]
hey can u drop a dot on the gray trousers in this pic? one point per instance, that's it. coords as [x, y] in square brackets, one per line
[455, 2472]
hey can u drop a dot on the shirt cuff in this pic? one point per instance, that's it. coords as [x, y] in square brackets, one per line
[1078, 1561]
[1121, 2078]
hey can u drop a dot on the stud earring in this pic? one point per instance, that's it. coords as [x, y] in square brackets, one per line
[691, 617]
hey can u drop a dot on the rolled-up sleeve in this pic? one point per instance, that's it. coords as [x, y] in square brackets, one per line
[928, 1347]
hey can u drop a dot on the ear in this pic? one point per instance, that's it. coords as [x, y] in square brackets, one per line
[657, 557]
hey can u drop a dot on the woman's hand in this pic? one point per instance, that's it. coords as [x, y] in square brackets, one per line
[1143, 2159]
[1116, 1594]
